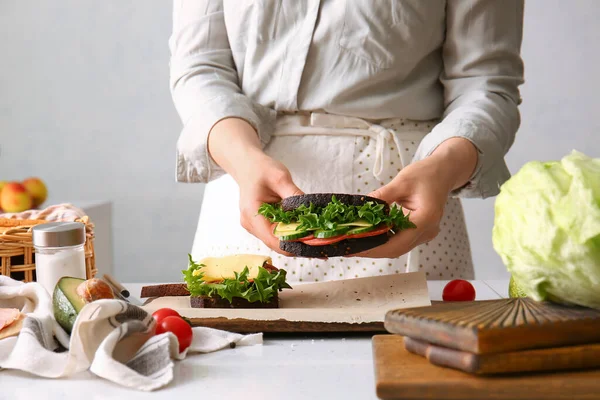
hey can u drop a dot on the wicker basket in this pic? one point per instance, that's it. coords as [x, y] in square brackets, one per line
[17, 254]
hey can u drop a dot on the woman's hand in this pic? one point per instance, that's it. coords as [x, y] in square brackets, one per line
[267, 181]
[422, 189]
[235, 146]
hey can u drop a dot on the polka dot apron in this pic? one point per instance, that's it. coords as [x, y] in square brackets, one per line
[337, 154]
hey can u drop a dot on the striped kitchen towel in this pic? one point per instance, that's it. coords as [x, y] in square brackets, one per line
[113, 339]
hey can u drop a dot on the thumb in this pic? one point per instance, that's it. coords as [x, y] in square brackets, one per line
[391, 192]
[288, 188]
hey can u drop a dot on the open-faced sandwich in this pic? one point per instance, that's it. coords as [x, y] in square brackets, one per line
[238, 281]
[235, 281]
[333, 225]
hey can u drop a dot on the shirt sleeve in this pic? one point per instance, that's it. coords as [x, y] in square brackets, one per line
[204, 86]
[482, 73]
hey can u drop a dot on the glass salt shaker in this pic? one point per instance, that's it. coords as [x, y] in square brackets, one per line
[59, 252]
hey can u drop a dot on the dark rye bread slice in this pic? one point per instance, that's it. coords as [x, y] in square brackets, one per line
[322, 199]
[164, 290]
[340, 249]
[217, 301]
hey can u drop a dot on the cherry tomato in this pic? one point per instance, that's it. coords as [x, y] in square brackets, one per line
[163, 313]
[458, 290]
[179, 328]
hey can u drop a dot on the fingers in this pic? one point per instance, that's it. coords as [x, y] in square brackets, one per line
[261, 228]
[404, 241]
[288, 190]
[391, 192]
[284, 186]
[401, 243]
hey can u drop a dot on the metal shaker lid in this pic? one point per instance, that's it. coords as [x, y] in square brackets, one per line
[58, 234]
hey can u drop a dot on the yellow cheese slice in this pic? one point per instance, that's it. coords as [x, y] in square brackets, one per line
[218, 268]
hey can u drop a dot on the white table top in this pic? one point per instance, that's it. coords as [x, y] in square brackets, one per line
[284, 367]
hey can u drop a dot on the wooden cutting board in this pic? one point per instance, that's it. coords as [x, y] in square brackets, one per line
[554, 359]
[497, 326]
[353, 305]
[403, 375]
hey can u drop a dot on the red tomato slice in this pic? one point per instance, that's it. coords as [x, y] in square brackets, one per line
[312, 241]
[324, 242]
[376, 232]
[302, 239]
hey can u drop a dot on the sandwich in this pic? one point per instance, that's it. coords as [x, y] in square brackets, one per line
[237, 281]
[333, 225]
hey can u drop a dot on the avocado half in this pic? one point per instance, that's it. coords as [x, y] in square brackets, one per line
[66, 302]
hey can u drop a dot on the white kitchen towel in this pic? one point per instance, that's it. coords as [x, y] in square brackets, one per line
[113, 339]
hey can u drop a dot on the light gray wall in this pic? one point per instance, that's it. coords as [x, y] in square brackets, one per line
[561, 104]
[84, 103]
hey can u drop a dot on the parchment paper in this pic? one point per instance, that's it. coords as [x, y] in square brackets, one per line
[357, 300]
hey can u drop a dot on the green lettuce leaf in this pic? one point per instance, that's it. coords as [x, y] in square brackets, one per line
[547, 229]
[262, 288]
[335, 213]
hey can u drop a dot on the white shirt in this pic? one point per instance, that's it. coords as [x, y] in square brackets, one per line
[455, 60]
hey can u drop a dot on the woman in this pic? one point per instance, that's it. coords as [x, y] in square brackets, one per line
[414, 102]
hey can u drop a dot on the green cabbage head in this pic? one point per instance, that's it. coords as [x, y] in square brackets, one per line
[547, 229]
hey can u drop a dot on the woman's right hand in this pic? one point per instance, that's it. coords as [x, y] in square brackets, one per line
[235, 146]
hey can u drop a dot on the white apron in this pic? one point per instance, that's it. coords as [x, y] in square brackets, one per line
[337, 154]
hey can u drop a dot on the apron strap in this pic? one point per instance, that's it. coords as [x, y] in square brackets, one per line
[340, 125]
[383, 138]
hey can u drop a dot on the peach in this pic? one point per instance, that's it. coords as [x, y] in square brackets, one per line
[37, 189]
[15, 198]
[2, 184]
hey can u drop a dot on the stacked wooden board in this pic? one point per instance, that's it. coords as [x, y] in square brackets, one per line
[507, 342]
[400, 374]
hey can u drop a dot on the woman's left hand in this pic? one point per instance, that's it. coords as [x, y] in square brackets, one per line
[422, 188]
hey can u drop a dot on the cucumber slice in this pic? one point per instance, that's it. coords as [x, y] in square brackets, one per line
[292, 236]
[321, 234]
[359, 222]
[359, 230]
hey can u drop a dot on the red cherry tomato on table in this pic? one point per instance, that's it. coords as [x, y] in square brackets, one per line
[458, 290]
[178, 327]
[163, 313]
